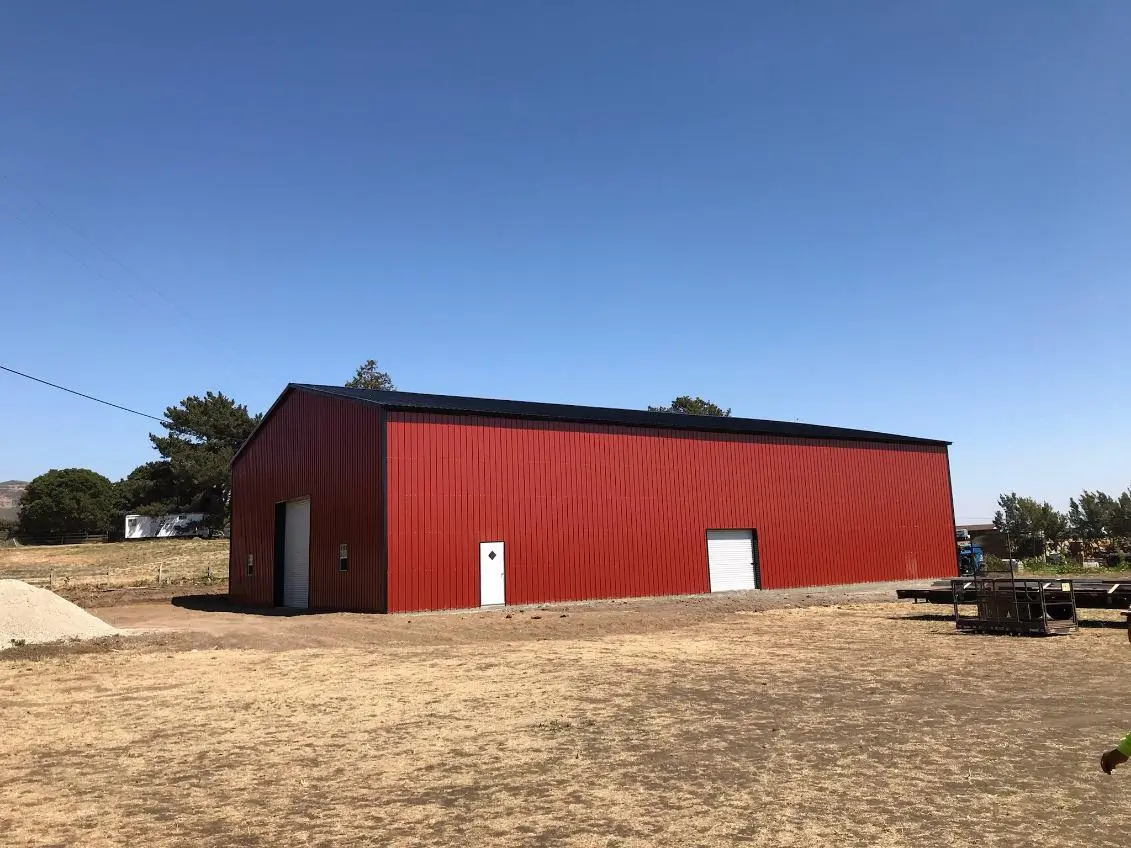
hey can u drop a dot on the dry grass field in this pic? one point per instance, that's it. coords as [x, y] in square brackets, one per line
[118, 563]
[696, 722]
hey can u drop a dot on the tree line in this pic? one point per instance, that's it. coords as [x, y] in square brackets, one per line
[1095, 522]
[192, 472]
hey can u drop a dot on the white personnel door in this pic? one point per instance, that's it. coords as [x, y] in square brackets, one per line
[492, 574]
[296, 555]
[730, 560]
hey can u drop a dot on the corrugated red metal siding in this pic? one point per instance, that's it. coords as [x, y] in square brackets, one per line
[599, 511]
[327, 449]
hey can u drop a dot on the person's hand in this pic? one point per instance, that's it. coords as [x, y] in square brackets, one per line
[1111, 759]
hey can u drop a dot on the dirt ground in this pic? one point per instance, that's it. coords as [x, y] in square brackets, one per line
[773, 719]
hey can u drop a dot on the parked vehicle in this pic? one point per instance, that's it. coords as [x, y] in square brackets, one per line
[184, 525]
[971, 559]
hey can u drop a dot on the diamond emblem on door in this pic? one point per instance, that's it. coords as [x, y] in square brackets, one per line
[492, 574]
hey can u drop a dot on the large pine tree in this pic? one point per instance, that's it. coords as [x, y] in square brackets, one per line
[203, 435]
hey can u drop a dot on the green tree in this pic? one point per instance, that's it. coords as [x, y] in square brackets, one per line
[151, 489]
[1091, 517]
[369, 377]
[1052, 524]
[203, 435]
[68, 500]
[1029, 524]
[1014, 519]
[1121, 520]
[688, 405]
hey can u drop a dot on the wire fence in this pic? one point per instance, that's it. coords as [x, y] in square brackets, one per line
[66, 539]
[159, 575]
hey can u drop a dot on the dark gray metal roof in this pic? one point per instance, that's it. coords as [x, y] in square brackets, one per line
[412, 402]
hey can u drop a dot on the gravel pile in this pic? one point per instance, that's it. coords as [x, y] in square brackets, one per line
[29, 614]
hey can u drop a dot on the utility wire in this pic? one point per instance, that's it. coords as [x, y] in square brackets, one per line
[196, 326]
[80, 394]
[68, 225]
[63, 249]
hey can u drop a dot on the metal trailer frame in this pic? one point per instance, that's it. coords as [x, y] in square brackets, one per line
[1005, 604]
[1089, 592]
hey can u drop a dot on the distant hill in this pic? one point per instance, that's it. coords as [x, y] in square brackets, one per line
[10, 493]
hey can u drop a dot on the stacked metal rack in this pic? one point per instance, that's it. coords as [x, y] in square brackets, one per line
[1020, 607]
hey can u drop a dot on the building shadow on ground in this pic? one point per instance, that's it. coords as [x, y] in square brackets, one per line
[223, 603]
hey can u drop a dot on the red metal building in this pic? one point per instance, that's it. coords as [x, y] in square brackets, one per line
[350, 499]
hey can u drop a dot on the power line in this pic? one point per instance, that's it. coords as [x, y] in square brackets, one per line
[80, 394]
[62, 248]
[68, 225]
[196, 325]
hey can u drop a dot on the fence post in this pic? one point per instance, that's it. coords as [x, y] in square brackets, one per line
[160, 573]
[51, 579]
[208, 572]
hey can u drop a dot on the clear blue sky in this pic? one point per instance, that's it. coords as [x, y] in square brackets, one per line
[912, 217]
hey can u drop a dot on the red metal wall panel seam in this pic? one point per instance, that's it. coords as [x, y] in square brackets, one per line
[584, 510]
[327, 449]
[601, 511]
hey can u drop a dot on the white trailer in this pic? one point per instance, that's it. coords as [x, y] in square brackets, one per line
[182, 525]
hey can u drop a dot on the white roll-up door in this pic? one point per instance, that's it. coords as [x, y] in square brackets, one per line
[296, 555]
[730, 560]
